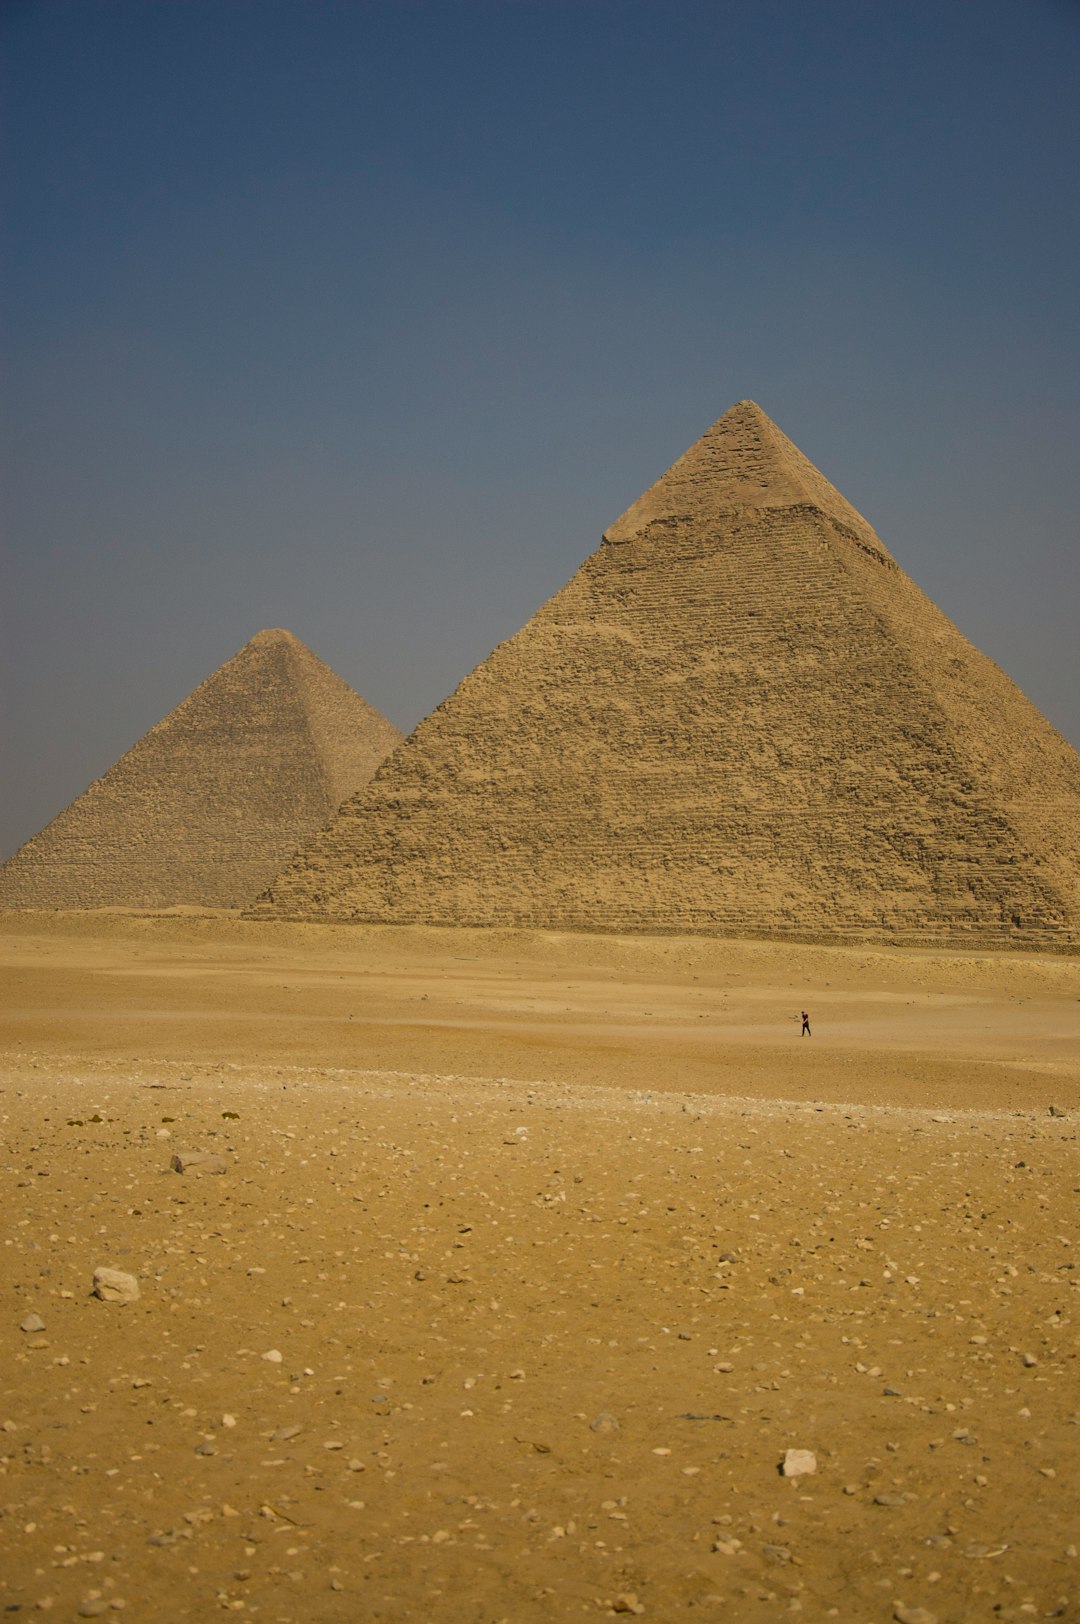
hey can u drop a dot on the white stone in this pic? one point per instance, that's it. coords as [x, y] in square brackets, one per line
[798, 1462]
[604, 1422]
[114, 1286]
[198, 1161]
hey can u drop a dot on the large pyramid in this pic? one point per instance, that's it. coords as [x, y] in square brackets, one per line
[740, 716]
[210, 803]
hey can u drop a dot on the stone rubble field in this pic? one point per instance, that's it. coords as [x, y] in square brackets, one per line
[433, 1348]
[485, 1346]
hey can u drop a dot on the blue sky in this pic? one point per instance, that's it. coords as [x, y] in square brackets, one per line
[365, 319]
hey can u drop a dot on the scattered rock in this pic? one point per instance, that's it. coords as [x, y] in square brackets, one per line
[198, 1161]
[338, 1287]
[1055, 1111]
[627, 1602]
[604, 1422]
[798, 1463]
[114, 1286]
[913, 1615]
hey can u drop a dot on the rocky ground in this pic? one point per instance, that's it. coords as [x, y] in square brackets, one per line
[525, 1334]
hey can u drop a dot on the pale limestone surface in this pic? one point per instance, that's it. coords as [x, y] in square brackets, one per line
[739, 717]
[216, 797]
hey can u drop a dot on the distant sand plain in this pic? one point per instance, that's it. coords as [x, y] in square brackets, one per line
[562, 1241]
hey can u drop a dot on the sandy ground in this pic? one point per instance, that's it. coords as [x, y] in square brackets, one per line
[559, 1243]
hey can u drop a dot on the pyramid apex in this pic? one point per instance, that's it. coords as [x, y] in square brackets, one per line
[271, 635]
[743, 461]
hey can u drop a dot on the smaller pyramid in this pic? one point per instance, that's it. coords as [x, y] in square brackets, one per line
[211, 802]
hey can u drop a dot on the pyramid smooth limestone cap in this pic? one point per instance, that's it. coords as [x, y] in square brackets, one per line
[742, 461]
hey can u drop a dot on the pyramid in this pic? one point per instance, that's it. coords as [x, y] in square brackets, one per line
[209, 804]
[740, 717]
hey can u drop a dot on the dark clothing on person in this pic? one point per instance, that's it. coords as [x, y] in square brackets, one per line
[805, 1033]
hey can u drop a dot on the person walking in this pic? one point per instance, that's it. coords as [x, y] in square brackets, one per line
[805, 1033]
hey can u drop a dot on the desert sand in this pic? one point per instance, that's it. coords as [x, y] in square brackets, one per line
[533, 1255]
